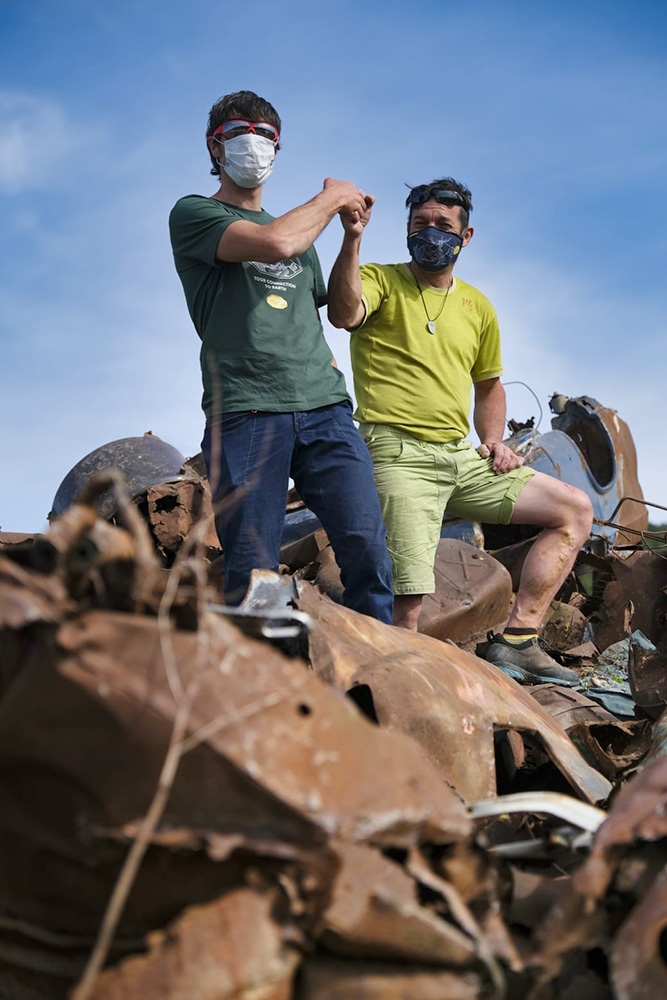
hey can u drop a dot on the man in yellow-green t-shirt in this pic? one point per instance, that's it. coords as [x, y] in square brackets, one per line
[422, 341]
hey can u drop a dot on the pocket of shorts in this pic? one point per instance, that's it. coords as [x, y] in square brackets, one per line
[384, 443]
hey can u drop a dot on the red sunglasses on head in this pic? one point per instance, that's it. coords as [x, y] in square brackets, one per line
[238, 126]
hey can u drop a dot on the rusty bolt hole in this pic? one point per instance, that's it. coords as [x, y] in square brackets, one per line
[304, 709]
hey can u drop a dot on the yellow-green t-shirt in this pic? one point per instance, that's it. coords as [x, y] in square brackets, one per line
[413, 379]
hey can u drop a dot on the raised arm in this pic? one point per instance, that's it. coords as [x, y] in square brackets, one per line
[292, 233]
[489, 413]
[345, 308]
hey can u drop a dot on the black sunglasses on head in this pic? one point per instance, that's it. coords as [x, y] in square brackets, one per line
[443, 196]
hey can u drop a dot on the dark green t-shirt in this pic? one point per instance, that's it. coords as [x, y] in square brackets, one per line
[263, 347]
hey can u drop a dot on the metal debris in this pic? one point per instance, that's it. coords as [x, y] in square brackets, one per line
[353, 810]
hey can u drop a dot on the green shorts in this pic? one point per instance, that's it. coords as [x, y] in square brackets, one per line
[416, 480]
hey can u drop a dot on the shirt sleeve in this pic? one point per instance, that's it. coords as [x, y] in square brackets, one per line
[196, 225]
[489, 361]
[373, 290]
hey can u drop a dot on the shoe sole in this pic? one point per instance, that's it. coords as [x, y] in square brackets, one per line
[525, 677]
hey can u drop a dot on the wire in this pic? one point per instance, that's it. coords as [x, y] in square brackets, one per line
[526, 386]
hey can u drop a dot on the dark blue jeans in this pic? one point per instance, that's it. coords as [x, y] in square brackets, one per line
[325, 456]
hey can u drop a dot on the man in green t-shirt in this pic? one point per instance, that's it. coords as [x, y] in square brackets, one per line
[422, 341]
[276, 405]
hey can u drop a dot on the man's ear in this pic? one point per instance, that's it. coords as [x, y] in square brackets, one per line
[215, 147]
[467, 235]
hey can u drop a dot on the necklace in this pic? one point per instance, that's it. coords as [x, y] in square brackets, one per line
[430, 326]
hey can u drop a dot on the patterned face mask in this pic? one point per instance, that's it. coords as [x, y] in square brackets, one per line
[433, 250]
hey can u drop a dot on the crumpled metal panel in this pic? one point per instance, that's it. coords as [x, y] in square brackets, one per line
[473, 592]
[607, 743]
[568, 707]
[231, 949]
[331, 979]
[374, 912]
[579, 919]
[173, 509]
[450, 701]
[563, 627]
[638, 967]
[274, 720]
[612, 747]
[634, 599]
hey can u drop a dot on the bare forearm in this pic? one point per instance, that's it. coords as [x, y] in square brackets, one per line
[344, 304]
[489, 418]
[489, 412]
[292, 233]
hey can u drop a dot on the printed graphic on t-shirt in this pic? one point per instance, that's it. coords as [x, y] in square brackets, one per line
[276, 301]
[283, 269]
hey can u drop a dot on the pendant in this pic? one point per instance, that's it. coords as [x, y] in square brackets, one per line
[430, 326]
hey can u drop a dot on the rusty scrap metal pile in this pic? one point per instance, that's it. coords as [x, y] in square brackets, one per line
[291, 801]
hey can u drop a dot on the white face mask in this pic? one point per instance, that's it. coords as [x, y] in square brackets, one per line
[248, 159]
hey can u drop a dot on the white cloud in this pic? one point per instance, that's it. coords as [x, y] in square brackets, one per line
[34, 135]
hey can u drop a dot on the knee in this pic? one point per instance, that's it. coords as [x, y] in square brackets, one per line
[578, 514]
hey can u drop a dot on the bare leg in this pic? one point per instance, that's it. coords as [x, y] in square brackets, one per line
[407, 609]
[566, 515]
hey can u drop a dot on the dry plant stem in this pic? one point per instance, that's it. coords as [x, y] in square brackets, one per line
[135, 856]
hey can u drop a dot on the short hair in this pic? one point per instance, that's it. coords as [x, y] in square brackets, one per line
[242, 104]
[423, 192]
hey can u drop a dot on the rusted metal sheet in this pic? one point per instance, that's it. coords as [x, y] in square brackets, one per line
[275, 721]
[579, 919]
[374, 912]
[615, 747]
[448, 700]
[638, 586]
[568, 707]
[607, 743]
[10, 539]
[278, 762]
[473, 593]
[563, 626]
[233, 948]
[324, 978]
[172, 511]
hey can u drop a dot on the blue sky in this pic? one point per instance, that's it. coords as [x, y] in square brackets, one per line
[554, 114]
